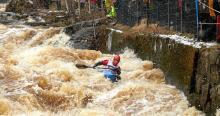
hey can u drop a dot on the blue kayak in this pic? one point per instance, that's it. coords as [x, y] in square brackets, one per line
[110, 75]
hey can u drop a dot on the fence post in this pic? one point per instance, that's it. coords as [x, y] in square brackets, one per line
[197, 19]
[168, 14]
[181, 28]
[89, 6]
[70, 6]
[79, 7]
[157, 10]
[102, 8]
[67, 8]
[138, 12]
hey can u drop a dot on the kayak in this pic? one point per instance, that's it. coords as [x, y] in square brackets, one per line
[110, 75]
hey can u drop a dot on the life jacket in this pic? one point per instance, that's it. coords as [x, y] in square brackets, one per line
[109, 65]
[112, 67]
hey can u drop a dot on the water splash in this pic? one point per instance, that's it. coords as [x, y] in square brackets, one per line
[2, 7]
[155, 46]
[218, 112]
[109, 41]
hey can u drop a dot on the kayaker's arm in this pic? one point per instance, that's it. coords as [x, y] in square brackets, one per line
[97, 64]
[104, 62]
[119, 71]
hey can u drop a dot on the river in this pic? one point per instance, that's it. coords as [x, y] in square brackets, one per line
[38, 77]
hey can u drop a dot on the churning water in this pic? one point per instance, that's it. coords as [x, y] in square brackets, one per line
[38, 77]
[109, 41]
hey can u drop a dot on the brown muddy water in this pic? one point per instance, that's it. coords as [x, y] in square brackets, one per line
[38, 77]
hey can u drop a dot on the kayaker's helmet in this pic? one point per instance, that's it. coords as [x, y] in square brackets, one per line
[116, 60]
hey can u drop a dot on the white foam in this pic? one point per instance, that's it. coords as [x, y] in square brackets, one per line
[188, 41]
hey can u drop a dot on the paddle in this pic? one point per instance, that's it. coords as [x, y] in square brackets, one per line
[82, 66]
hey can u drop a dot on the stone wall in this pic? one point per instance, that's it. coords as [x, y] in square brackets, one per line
[208, 79]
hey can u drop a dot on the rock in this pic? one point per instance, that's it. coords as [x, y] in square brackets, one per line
[84, 34]
[25, 6]
[20, 6]
[7, 17]
[205, 95]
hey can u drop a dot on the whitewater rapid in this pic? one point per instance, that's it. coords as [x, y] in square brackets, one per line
[38, 77]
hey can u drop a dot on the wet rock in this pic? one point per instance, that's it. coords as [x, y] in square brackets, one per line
[24, 6]
[45, 11]
[20, 6]
[57, 18]
[205, 95]
[7, 17]
[84, 34]
[36, 13]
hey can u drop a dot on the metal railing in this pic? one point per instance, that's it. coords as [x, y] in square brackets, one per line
[183, 16]
[177, 15]
[4, 1]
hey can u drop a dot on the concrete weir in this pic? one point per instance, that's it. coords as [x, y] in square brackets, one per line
[193, 67]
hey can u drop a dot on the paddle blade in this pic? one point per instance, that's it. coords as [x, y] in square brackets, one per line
[82, 66]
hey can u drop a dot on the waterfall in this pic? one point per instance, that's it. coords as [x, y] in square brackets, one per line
[109, 42]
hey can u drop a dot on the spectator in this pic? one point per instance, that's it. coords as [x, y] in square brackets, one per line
[47, 4]
[93, 4]
[82, 3]
[217, 7]
[99, 2]
[110, 9]
[58, 4]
